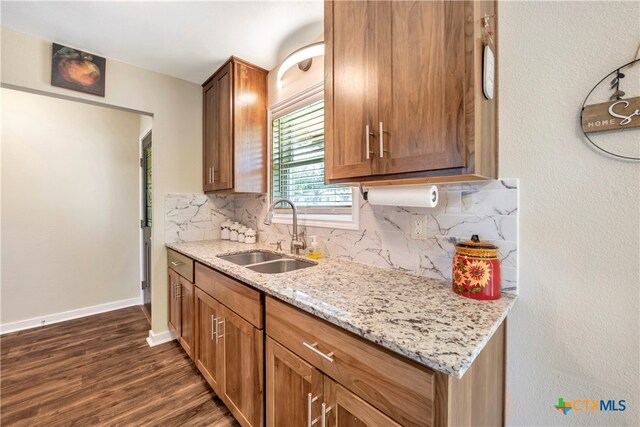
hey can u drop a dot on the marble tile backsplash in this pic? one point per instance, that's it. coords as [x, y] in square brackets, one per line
[489, 209]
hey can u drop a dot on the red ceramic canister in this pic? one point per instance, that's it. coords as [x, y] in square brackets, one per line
[476, 270]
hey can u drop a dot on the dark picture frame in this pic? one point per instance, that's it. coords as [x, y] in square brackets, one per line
[77, 70]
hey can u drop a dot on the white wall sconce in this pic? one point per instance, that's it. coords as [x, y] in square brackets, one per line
[301, 55]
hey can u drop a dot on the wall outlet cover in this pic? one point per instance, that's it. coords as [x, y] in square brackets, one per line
[418, 227]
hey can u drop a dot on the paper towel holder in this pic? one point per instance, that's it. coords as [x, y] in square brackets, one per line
[365, 193]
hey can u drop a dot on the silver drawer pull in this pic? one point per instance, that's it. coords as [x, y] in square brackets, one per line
[176, 263]
[325, 411]
[313, 347]
[218, 323]
[214, 332]
[310, 401]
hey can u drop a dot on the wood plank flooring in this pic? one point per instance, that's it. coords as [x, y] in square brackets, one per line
[99, 370]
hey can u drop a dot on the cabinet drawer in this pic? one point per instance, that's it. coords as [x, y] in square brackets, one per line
[181, 264]
[401, 389]
[241, 298]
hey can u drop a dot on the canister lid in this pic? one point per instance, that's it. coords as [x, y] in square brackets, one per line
[476, 243]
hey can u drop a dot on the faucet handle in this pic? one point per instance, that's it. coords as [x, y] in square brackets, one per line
[301, 239]
[278, 244]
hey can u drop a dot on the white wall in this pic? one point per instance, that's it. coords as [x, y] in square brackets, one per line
[70, 206]
[177, 129]
[574, 331]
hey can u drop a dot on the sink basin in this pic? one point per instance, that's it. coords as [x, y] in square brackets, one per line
[248, 258]
[280, 266]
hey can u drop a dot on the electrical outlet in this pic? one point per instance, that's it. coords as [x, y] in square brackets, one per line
[418, 227]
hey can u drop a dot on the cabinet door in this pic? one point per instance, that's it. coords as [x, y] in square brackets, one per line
[243, 368]
[345, 409]
[208, 349]
[217, 138]
[351, 88]
[294, 388]
[173, 303]
[422, 87]
[187, 330]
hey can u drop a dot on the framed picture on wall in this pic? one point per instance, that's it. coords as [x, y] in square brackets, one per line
[77, 70]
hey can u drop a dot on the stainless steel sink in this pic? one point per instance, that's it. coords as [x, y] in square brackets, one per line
[248, 258]
[280, 266]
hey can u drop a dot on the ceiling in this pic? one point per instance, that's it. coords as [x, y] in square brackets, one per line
[184, 39]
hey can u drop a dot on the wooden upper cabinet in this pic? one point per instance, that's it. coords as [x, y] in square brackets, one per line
[354, 82]
[235, 129]
[421, 104]
[218, 143]
[412, 72]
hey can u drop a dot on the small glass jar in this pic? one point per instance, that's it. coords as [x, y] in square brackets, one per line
[241, 234]
[233, 233]
[225, 229]
[250, 236]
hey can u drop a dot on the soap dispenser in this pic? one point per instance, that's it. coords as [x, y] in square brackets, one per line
[314, 251]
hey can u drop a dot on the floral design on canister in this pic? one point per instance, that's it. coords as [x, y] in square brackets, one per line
[476, 270]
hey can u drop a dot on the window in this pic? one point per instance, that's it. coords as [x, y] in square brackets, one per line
[297, 165]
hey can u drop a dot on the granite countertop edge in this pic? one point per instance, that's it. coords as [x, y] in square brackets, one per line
[276, 286]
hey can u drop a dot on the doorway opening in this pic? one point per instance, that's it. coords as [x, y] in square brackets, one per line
[146, 222]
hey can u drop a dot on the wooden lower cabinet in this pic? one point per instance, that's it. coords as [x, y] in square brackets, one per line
[207, 352]
[187, 306]
[354, 382]
[300, 395]
[293, 388]
[174, 302]
[229, 352]
[243, 368]
[345, 409]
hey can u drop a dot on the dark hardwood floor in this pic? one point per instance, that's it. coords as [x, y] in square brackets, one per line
[99, 370]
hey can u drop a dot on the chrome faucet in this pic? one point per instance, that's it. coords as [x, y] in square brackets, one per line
[297, 240]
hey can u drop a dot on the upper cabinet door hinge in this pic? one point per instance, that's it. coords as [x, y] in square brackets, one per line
[141, 161]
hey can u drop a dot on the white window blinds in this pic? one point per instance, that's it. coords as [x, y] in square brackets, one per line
[297, 161]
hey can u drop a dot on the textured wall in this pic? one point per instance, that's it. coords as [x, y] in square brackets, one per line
[383, 239]
[177, 129]
[70, 206]
[574, 331]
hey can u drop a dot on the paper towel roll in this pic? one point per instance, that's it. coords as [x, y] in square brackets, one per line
[414, 196]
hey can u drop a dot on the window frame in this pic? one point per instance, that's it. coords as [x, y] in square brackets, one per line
[342, 218]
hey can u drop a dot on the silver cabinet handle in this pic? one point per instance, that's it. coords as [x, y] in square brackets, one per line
[381, 137]
[218, 323]
[178, 291]
[313, 347]
[325, 411]
[209, 182]
[367, 132]
[216, 328]
[213, 174]
[310, 401]
[176, 263]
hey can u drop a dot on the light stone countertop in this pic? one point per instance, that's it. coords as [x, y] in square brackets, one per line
[418, 317]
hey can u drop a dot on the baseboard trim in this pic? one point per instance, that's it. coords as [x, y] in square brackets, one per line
[156, 339]
[66, 315]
